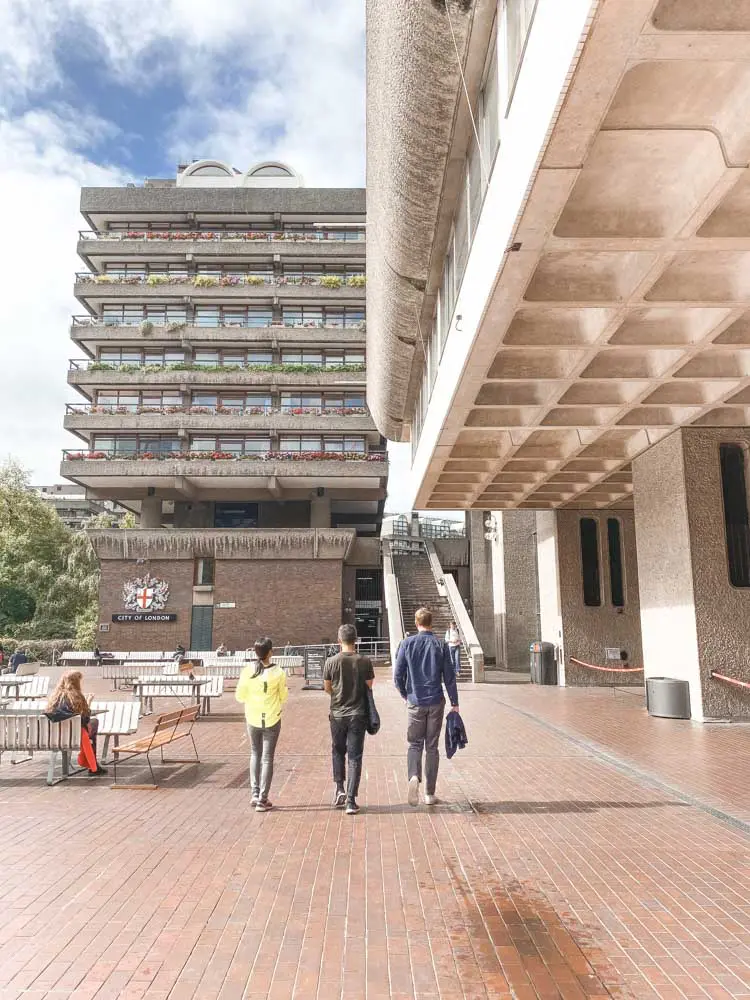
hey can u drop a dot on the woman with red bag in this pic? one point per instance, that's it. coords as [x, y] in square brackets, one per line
[68, 700]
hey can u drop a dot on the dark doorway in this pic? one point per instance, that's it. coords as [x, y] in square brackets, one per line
[202, 628]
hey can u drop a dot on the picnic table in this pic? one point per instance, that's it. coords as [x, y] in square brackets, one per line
[160, 686]
[116, 719]
[10, 685]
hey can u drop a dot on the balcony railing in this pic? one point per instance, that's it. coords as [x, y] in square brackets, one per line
[71, 455]
[230, 236]
[129, 368]
[226, 281]
[293, 411]
[172, 325]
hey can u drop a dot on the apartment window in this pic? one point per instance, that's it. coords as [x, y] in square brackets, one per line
[245, 316]
[461, 232]
[134, 400]
[344, 317]
[250, 445]
[592, 591]
[736, 521]
[294, 400]
[135, 444]
[125, 356]
[489, 132]
[317, 442]
[236, 515]
[204, 572]
[616, 572]
[518, 17]
[303, 316]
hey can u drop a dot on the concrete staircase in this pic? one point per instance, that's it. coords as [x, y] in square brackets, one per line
[417, 589]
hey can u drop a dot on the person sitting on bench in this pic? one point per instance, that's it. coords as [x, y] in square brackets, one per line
[68, 700]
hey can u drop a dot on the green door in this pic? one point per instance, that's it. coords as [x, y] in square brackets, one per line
[202, 628]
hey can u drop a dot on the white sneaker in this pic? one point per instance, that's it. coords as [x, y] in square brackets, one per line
[413, 791]
[430, 800]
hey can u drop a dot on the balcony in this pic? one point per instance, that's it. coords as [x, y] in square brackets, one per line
[94, 288]
[81, 418]
[215, 474]
[339, 245]
[90, 331]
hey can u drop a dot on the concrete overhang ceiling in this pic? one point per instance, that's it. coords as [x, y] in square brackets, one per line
[626, 311]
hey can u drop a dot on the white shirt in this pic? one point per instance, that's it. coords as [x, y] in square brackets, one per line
[452, 637]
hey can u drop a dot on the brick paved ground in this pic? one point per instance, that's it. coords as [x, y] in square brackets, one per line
[547, 872]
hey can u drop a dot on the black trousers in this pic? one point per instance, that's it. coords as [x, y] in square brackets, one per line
[348, 741]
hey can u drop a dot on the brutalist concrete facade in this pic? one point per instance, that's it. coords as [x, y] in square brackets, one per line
[223, 390]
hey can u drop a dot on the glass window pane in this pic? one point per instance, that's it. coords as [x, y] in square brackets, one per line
[616, 577]
[736, 516]
[592, 592]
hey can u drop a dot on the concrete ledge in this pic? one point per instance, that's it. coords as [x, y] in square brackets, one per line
[99, 333]
[291, 543]
[217, 422]
[213, 378]
[145, 468]
[343, 250]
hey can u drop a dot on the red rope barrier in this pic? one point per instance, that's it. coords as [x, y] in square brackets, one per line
[730, 680]
[607, 670]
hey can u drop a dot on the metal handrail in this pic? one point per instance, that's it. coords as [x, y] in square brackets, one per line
[162, 279]
[100, 454]
[353, 235]
[83, 364]
[396, 626]
[218, 409]
[176, 325]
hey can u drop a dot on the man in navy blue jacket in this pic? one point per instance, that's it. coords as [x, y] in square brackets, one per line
[423, 666]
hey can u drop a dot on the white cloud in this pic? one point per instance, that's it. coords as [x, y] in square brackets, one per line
[41, 173]
[282, 80]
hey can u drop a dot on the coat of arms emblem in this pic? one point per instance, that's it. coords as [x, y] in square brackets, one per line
[145, 593]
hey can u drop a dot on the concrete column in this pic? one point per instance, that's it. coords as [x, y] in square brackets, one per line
[150, 512]
[515, 587]
[320, 512]
[480, 568]
[693, 620]
[550, 602]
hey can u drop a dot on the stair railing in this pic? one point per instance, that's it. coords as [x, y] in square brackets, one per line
[447, 587]
[396, 630]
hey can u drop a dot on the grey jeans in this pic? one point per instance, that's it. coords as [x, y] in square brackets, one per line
[423, 734]
[262, 748]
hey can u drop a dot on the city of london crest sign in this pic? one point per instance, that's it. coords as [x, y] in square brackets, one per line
[145, 593]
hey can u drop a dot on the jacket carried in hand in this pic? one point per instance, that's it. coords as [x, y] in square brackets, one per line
[423, 666]
[455, 734]
[263, 696]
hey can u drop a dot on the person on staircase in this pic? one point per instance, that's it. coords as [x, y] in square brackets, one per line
[423, 668]
[453, 641]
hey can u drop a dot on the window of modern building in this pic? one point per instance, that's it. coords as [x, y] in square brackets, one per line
[204, 572]
[229, 356]
[210, 171]
[616, 569]
[257, 269]
[519, 15]
[733, 458]
[135, 444]
[295, 400]
[131, 315]
[302, 315]
[134, 400]
[246, 316]
[317, 442]
[236, 515]
[236, 445]
[592, 590]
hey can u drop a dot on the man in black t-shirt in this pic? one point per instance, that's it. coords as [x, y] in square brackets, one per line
[346, 676]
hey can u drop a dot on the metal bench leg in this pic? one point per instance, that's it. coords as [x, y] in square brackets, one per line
[65, 767]
[105, 747]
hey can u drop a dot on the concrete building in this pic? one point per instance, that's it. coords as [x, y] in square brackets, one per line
[74, 508]
[223, 385]
[559, 300]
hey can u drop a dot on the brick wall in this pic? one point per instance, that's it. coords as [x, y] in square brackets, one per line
[291, 600]
[146, 635]
[297, 601]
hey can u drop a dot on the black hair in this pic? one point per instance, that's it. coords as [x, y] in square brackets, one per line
[261, 649]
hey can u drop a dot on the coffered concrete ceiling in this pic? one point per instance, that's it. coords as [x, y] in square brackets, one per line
[626, 311]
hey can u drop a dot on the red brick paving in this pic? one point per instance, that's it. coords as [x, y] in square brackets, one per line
[547, 872]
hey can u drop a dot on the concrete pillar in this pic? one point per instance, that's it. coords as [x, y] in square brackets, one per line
[480, 568]
[693, 619]
[515, 587]
[320, 512]
[150, 512]
[550, 602]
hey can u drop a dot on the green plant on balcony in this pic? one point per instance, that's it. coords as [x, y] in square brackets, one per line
[356, 281]
[205, 281]
[146, 327]
[255, 279]
[176, 325]
[157, 279]
[330, 281]
[104, 279]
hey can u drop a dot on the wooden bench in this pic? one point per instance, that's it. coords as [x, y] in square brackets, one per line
[25, 729]
[116, 719]
[168, 728]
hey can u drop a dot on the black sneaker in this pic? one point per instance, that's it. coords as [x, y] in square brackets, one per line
[352, 808]
[97, 772]
[339, 798]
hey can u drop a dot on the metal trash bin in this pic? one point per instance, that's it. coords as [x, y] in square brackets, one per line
[668, 698]
[543, 663]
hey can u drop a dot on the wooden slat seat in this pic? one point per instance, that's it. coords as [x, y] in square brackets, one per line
[168, 728]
